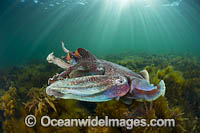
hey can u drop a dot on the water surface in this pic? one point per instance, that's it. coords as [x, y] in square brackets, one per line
[31, 29]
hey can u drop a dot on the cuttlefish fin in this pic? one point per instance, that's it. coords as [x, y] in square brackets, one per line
[162, 86]
[145, 74]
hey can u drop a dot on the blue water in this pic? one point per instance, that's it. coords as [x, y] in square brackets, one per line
[31, 29]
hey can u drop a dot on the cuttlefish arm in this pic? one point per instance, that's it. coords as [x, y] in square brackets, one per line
[81, 61]
[81, 68]
[95, 88]
[59, 62]
[52, 59]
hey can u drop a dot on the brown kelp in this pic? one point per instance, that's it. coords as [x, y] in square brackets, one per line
[22, 93]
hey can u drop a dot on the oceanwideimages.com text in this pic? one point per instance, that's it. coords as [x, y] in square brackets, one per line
[46, 121]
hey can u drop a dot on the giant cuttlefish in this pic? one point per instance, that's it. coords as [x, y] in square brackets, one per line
[87, 78]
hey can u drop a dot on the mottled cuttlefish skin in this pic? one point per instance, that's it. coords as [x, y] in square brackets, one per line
[90, 88]
[87, 78]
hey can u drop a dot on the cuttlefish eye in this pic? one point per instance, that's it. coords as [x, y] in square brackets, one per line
[100, 68]
[120, 81]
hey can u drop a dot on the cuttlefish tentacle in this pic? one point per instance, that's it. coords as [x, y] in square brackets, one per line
[52, 59]
[63, 47]
[71, 57]
[94, 68]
